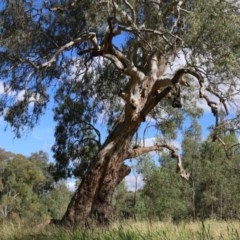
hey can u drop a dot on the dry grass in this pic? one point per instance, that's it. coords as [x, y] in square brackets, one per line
[128, 231]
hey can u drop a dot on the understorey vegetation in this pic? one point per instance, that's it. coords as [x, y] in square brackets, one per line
[30, 195]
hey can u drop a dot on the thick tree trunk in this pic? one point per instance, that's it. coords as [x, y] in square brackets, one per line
[102, 210]
[93, 196]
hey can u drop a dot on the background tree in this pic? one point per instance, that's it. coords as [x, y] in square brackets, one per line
[21, 180]
[191, 147]
[123, 203]
[56, 200]
[219, 175]
[212, 190]
[45, 45]
[27, 190]
[166, 197]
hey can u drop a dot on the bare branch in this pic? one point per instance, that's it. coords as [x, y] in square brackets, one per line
[107, 49]
[137, 32]
[221, 98]
[175, 155]
[212, 104]
[133, 153]
[132, 10]
[162, 82]
[86, 36]
[118, 64]
[175, 25]
[91, 36]
[129, 20]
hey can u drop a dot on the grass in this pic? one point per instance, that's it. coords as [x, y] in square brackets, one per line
[128, 231]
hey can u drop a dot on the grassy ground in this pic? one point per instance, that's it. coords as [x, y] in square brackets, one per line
[127, 231]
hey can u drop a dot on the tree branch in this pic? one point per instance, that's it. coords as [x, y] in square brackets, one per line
[227, 149]
[65, 7]
[132, 10]
[86, 36]
[129, 20]
[91, 36]
[177, 78]
[133, 153]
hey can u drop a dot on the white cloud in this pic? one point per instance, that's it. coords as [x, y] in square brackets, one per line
[71, 184]
[149, 141]
[1, 87]
[18, 96]
[134, 182]
[178, 62]
[6, 90]
[176, 143]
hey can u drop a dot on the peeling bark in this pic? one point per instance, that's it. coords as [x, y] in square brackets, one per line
[93, 196]
[102, 210]
[92, 200]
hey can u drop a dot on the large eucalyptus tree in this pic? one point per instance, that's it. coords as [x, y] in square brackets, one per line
[115, 60]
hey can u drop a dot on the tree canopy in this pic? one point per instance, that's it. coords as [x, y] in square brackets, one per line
[52, 48]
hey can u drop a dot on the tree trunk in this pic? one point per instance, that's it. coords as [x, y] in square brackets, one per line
[93, 196]
[102, 210]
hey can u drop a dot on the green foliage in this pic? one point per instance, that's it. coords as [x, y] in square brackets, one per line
[57, 200]
[79, 104]
[77, 140]
[27, 190]
[35, 38]
[212, 191]
[46, 50]
[221, 19]
[125, 203]
[218, 177]
[20, 177]
[119, 200]
[165, 195]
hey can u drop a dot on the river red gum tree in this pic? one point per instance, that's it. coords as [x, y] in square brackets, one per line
[43, 42]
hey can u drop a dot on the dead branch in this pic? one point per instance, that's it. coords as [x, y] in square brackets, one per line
[221, 98]
[133, 153]
[227, 149]
[212, 104]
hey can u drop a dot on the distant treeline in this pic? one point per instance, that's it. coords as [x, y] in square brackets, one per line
[28, 191]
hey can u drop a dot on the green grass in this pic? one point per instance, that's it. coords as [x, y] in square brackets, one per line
[127, 231]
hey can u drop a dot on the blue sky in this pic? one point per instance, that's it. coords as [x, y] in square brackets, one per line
[40, 138]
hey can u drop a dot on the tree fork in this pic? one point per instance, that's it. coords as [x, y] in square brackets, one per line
[94, 194]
